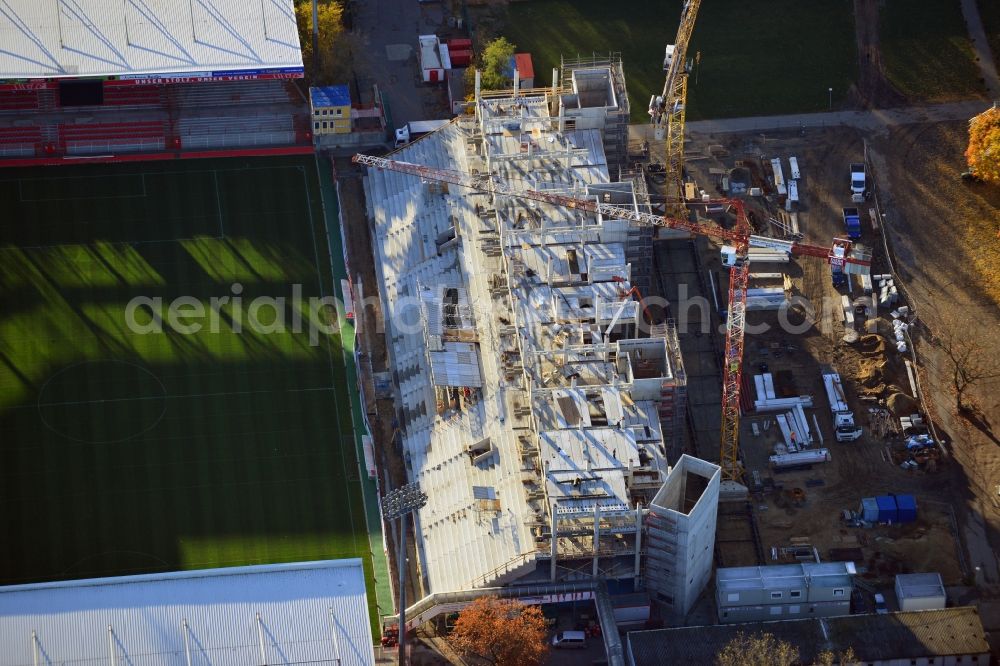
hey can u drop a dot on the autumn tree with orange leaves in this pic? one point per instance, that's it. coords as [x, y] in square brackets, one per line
[502, 632]
[983, 153]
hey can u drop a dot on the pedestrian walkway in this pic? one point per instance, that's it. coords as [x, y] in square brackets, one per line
[987, 65]
[874, 120]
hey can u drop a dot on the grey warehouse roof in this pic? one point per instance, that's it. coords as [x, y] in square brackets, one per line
[733, 579]
[932, 633]
[309, 612]
[56, 38]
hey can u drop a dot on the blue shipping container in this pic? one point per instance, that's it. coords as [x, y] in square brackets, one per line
[887, 512]
[907, 508]
[869, 510]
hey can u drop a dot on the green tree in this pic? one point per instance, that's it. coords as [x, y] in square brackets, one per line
[983, 153]
[495, 63]
[330, 15]
[757, 650]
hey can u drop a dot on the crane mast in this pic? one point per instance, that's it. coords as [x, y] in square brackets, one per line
[668, 110]
[739, 239]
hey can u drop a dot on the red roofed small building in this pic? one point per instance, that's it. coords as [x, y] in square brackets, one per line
[525, 70]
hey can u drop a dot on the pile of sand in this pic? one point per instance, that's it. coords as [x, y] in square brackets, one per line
[901, 404]
[871, 345]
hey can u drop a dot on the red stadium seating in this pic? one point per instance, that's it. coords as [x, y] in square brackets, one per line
[154, 122]
[110, 137]
[112, 131]
[133, 95]
[20, 135]
[18, 100]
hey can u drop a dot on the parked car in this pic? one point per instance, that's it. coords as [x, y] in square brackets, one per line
[569, 639]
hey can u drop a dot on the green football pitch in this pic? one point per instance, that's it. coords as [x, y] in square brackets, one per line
[124, 449]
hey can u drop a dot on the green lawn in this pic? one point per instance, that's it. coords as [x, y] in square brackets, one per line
[926, 49]
[126, 452]
[756, 58]
[989, 12]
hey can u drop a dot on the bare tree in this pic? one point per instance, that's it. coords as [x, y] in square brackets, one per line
[757, 650]
[971, 359]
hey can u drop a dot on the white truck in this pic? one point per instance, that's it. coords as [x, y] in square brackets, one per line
[858, 181]
[417, 128]
[844, 427]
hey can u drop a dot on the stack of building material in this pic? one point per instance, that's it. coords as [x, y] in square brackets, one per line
[767, 399]
[848, 307]
[885, 286]
[793, 195]
[767, 255]
[792, 420]
[909, 423]
[899, 328]
[766, 298]
[779, 177]
[866, 282]
[799, 459]
[794, 428]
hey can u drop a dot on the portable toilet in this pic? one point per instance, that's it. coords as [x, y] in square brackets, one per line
[869, 510]
[906, 506]
[887, 511]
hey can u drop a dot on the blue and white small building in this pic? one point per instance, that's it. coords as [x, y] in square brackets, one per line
[307, 612]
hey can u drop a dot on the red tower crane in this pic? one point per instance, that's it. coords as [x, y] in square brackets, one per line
[738, 242]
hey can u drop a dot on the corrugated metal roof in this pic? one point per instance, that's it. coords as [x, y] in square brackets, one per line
[919, 585]
[323, 96]
[147, 614]
[62, 38]
[777, 575]
[457, 364]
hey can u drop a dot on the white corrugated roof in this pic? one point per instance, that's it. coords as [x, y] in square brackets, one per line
[147, 614]
[65, 38]
[456, 365]
[919, 585]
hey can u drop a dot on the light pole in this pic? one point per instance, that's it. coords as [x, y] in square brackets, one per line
[399, 503]
[830, 90]
[315, 9]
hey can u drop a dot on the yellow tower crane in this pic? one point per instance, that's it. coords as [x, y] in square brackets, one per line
[667, 110]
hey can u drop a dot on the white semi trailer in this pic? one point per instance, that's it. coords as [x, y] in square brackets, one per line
[845, 429]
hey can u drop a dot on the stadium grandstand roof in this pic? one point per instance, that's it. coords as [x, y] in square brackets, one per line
[308, 612]
[44, 39]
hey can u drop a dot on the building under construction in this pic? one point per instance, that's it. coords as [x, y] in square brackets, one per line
[538, 408]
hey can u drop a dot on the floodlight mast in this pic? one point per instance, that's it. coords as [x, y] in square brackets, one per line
[399, 503]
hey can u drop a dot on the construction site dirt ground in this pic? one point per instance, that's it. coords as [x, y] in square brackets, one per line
[796, 352]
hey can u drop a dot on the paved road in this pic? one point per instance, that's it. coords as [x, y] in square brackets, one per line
[875, 120]
[982, 47]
